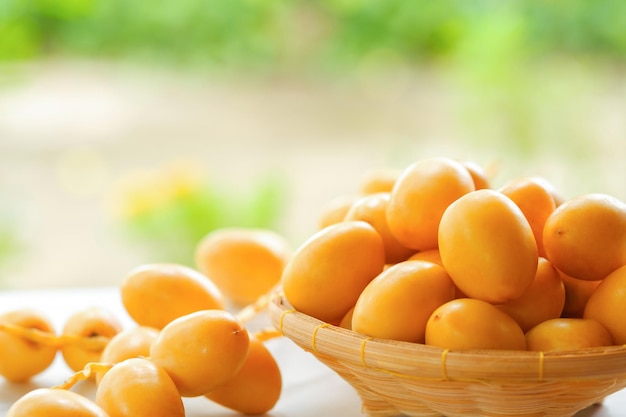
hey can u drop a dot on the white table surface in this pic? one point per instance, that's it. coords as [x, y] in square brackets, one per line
[310, 389]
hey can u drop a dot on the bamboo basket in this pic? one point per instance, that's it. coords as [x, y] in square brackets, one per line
[400, 378]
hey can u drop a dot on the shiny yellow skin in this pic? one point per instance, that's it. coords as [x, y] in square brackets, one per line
[397, 304]
[327, 272]
[468, 324]
[607, 304]
[93, 321]
[419, 197]
[543, 300]
[562, 334]
[244, 263]
[372, 209]
[133, 342]
[21, 359]
[47, 402]
[201, 351]
[138, 387]
[155, 294]
[256, 388]
[488, 247]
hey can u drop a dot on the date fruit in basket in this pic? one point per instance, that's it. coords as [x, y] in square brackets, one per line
[155, 294]
[88, 323]
[201, 351]
[567, 334]
[256, 387]
[138, 387]
[346, 321]
[577, 293]
[397, 303]
[535, 197]
[543, 300]
[328, 271]
[433, 255]
[478, 173]
[420, 196]
[21, 359]
[47, 402]
[379, 181]
[488, 247]
[585, 237]
[372, 209]
[489, 243]
[467, 323]
[430, 255]
[244, 263]
[607, 304]
[335, 210]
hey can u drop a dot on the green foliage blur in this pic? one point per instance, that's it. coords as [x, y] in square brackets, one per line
[11, 244]
[170, 233]
[168, 210]
[303, 35]
[7, 243]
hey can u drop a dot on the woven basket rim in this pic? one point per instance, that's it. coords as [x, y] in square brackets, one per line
[413, 360]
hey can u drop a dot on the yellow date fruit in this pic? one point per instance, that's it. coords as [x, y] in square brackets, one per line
[585, 237]
[244, 263]
[577, 293]
[201, 350]
[256, 387]
[607, 305]
[562, 334]
[534, 196]
[138, 387]
[130, 343]
[420, 196]
[327, 272]
[372, 209]
[543, 300]
[90, 322]
[21, 359]
[155, 294]
[398, 302]
[488, 247]
[467, 324]
[53, 402]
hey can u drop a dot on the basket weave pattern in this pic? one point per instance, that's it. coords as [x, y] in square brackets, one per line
[394, 378]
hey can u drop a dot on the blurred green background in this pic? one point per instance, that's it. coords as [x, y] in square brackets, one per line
[282, 105]
[300, 35]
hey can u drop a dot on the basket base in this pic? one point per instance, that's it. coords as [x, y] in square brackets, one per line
[374, 404]
[395, 401]
[399, 378]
